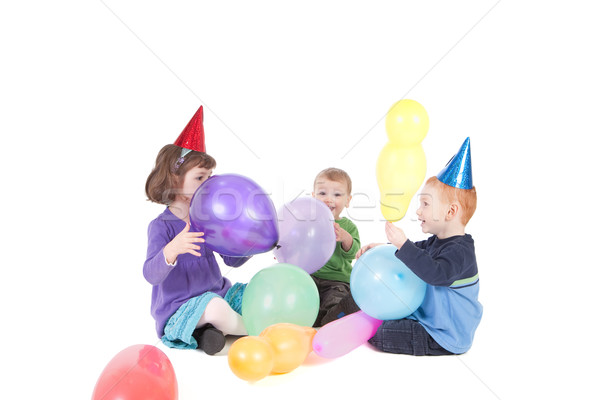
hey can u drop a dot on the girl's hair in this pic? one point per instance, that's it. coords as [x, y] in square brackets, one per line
[163, 181]
[336, 175]
[467, 198]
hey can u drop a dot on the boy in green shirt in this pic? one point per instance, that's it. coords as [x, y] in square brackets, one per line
[333, 187]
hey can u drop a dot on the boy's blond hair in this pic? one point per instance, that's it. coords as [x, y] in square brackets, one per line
[467, 198]
[336, 175]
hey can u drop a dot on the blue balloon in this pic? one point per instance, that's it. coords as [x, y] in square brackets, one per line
[236, 215]
[383, 286]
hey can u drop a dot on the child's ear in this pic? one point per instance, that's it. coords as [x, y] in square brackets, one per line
[348, 201]
[452, 211]
[313, 194]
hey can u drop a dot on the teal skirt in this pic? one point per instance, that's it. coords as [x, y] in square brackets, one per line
[181, 325]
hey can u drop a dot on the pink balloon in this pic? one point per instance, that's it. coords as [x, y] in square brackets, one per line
[343, 335]
[306, 234]
[140, 371]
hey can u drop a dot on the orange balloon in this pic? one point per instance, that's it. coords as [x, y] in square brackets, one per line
[251, 358]
[140, 371]
[291, 344]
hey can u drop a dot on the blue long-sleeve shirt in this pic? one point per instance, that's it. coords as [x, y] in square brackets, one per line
[450, 312]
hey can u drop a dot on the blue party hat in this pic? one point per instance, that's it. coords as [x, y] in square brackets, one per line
[457, 172]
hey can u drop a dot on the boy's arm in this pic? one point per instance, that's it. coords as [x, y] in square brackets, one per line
[352, 245]
[443, 270]
[420, 244]
[397, 237]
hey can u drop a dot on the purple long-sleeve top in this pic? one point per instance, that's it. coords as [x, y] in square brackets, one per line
[190, 277]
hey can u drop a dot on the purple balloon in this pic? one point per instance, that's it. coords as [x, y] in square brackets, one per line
[306, 234]
[236, 215]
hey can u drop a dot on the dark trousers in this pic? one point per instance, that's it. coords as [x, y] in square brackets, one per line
[330, 294]
[406, 336]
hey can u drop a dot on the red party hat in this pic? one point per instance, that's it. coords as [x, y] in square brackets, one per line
[192, 136]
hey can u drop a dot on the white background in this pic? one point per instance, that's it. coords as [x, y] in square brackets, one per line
[91, 90]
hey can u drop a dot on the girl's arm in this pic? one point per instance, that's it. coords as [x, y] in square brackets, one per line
[162, 251]
[234, 261]
[156, 268]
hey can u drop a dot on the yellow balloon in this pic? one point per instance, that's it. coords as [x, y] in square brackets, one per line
[400, 172]
[291, 343]
[407, 123]
[251, 358]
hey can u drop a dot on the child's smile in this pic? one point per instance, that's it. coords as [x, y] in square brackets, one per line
[430, 210]
[333, 194]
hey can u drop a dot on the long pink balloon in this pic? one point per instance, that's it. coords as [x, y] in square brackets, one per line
[341, 336]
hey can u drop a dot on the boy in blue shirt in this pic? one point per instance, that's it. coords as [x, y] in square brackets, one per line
[446, 321]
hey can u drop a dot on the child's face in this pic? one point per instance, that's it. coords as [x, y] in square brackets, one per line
[432, 211]
[192, 181]
[334, 194]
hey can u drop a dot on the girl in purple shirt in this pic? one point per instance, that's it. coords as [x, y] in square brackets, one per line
[193, 304]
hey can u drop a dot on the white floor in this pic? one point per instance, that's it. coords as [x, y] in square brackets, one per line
[92, 90]
[528, 345]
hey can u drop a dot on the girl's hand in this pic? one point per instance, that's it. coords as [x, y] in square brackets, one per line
[183, 243]
[395, 235]
[367, 247]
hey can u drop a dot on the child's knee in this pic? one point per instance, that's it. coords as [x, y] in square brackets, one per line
[217, 307]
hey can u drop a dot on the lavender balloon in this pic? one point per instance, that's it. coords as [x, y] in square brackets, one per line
[236, 215]
[306, 235]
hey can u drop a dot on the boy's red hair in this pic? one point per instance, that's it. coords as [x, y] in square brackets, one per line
[466, 198]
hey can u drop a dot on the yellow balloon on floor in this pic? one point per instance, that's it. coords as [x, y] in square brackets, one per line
[407, 123]
[400, 172]
[251, 358]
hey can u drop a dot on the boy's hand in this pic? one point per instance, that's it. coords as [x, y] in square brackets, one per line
[367, 247]
[341, 235]
[338, 231]
[183, 243]
[395, 235]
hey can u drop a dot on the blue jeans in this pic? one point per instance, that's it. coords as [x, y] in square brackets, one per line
[406, 336]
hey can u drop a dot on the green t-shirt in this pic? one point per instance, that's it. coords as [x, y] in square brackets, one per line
[339, 266]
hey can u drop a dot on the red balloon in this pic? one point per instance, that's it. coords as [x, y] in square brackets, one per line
[140, 371]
